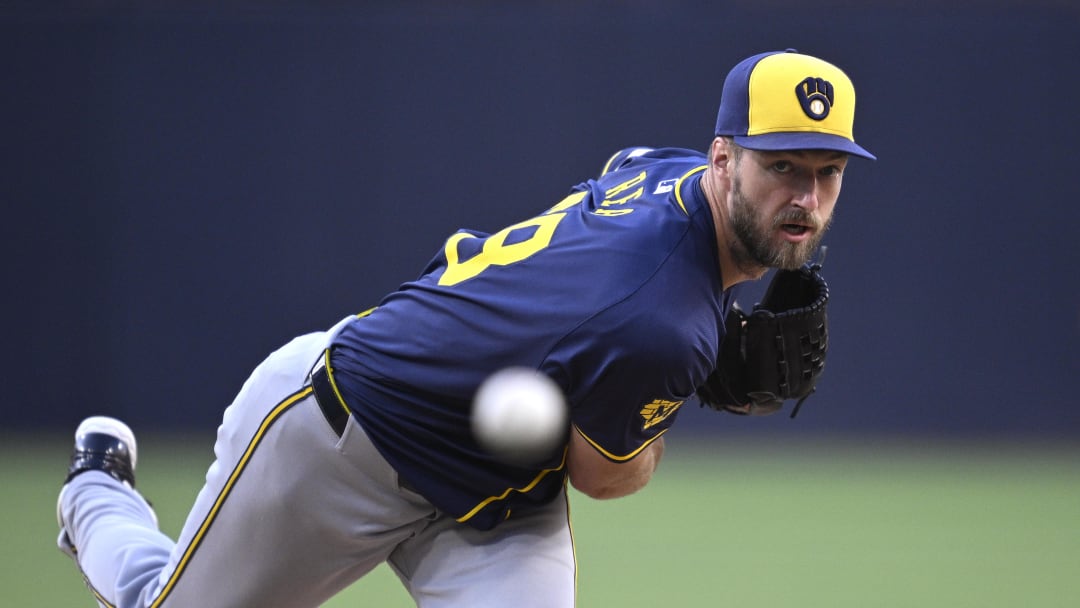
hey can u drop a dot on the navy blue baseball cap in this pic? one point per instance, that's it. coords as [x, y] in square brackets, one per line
[784, 100]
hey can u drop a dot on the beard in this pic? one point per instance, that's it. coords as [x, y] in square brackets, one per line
[756, 248]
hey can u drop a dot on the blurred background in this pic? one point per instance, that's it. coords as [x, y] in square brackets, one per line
[188, 185]
[186, 189]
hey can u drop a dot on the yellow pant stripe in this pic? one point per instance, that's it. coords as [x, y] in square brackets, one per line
[254, 443]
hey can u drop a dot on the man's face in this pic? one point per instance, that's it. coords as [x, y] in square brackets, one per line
[782, 204]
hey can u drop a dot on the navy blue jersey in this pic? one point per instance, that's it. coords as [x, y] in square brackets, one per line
[614, 292]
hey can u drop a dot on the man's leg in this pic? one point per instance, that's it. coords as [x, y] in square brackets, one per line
[291, 513]
[113, 518]
[525, 561]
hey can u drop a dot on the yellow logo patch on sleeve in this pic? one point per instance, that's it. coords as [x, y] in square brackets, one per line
[658, 410]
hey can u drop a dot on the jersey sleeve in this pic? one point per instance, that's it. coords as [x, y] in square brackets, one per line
[629, 367]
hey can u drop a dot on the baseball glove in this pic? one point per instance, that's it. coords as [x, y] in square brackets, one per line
[775, 353]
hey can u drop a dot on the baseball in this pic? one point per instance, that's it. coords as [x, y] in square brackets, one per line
[519, 415]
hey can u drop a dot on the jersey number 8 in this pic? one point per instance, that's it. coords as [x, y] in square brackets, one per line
[495, 251]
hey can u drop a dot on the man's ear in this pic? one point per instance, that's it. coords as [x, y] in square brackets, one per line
[722, 157]
[720, 154]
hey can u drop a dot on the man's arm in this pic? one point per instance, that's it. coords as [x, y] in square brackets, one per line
[597, 477]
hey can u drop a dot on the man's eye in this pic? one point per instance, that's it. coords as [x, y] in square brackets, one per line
[831, 171]
[782, 166]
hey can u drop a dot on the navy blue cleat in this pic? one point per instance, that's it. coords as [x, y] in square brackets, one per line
[101, 444]
[104, 444]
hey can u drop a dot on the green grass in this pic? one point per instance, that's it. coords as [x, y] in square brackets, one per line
[828, 523]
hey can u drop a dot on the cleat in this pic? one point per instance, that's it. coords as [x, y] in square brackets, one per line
[104, 444]
[101, 444]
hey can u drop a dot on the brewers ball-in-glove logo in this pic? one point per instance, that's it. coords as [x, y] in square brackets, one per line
[816, 97]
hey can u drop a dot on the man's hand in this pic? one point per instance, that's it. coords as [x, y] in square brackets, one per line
[775, 353]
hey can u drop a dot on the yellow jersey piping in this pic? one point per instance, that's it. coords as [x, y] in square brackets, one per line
[532, 484]
[616, 457]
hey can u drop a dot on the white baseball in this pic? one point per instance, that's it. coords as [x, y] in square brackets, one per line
[519, 415]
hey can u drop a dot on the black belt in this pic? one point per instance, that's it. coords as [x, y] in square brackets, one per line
[335, 410]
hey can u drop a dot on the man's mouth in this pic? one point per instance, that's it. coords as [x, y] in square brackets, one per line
[794, 232]
[795, 229]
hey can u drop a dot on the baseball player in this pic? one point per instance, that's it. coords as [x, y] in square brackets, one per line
[351, 447]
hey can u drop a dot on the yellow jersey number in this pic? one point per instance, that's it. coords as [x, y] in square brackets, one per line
[496, 252]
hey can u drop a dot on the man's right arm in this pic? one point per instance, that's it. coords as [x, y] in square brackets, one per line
[594, 475]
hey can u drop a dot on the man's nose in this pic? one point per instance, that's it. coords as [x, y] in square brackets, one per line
[806, 197]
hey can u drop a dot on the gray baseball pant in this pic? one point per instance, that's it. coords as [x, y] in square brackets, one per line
[291, 514]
